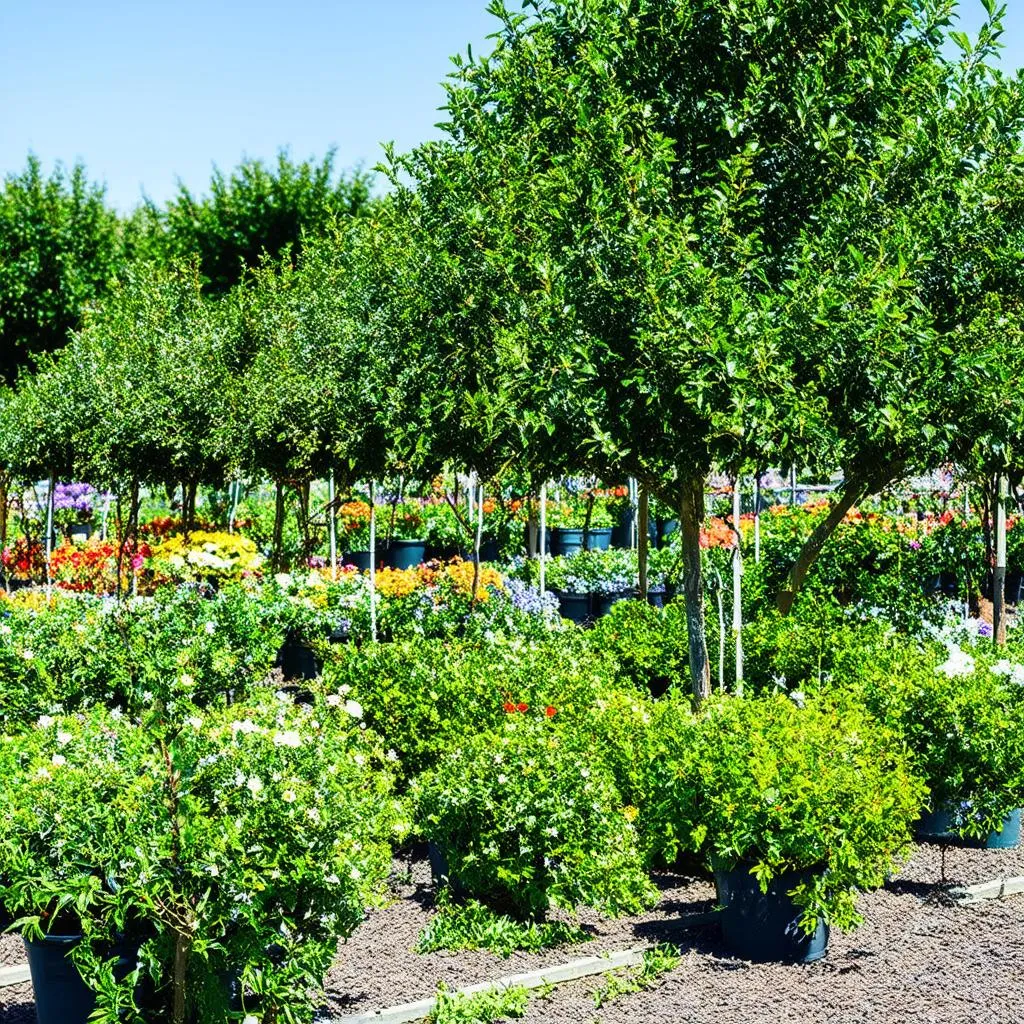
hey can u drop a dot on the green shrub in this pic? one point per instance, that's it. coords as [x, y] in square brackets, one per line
[961, 713]
[526, 820]
[780, 784]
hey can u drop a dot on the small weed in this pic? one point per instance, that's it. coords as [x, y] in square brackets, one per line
[473, 926]
[481, 1008]
[656, 962]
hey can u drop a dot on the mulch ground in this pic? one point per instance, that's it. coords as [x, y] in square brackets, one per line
[917, 959]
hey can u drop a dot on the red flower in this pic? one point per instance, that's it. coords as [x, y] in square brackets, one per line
[550, 711]
[521, 706]
[509, 707]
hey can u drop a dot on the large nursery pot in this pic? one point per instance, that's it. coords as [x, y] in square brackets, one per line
[405, 554]
[60, 994]
[574, 607]
[939, 826]
[602, 604]
[622, 532]
[765, 926]
[360, 559]
[598, 538]
[566, 541]
[296, 660]
[665, 528]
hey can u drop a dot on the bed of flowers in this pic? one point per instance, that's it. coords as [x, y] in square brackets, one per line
[211, 829]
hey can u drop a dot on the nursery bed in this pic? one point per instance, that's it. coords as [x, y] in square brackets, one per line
[917, 958]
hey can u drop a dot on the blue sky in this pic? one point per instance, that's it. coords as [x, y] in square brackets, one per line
[152, 91]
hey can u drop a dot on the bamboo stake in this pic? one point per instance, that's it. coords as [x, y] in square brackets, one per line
[332, 526]
[737, 584]
[542, 545]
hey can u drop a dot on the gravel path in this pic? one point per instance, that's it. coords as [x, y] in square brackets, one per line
[916, 960]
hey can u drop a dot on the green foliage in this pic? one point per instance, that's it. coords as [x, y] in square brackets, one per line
[425, 696]
[259, 210]
[650, 645]
[227, 832]
[525, 822]
[961, 713]
[471, 925]
[784, 783]
[60, 249]
[656, 963]
[481, 1008]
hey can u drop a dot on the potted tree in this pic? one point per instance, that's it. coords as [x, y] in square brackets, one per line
[795, 803]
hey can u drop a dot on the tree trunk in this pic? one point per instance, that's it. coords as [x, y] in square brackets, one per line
[853, 491]
[691, 518]
[643, 539]
[182, 949]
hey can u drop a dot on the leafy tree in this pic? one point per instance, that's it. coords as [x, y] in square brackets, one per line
[666, 171]
[258, 210]
[60, 249]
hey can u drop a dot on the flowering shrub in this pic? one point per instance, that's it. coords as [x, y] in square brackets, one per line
[423, 695]
[790, 783]
[210, 557]
[525, 822]
[92, 567]
[247, 842]
[24, 561]
[354, 522]
[961, 713]
[72, 504]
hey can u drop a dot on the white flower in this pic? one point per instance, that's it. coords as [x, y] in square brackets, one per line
[392, 755]
[211, 628]
[195, 721]
[502, 779]
[313, 814]
[1003, 667]
[798, 697]
[288, 796]
[283, 580]
[551, 831]
[27, 654]
[239, 779]
[117, 714]
[63, 739]
[334, 699]
[244, 726]
[254, 784]
[187, 681]
[332, 880]
[42, 773]
[344, 689]
[356, 874]
[213, 870]
[58, 759]
[959, 663]
[5, 630]
[288, 738]
[585, 772]
[45, 721]
[250, 1018]
[354, 708]
[359, 759]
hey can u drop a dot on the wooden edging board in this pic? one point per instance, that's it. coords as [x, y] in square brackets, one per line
[557, 974]
[16, 975]
[994, 890]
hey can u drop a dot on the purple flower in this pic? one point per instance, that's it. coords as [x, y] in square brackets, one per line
[76, 498]
[984, 628]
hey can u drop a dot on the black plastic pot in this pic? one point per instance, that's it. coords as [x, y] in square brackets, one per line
[574, 607]
[622, 533]
[405, 554]
[602, 604]
[81, 533]
[297, 661]
[1013, 585]
[360, 559]
[664, 529]
[440, 872]
[656, 598]
[938, 827]
[766, 926]
[565, 541]
[598, 539]
[60, 994]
